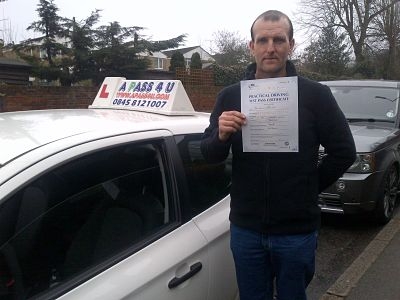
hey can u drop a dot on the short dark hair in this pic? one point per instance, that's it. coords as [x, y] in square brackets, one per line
[274, 16]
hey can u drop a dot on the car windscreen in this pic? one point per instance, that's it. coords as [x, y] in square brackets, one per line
[373, 104]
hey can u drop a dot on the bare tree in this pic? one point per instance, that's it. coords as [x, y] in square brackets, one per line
[8, 35]
[231, 49]
[354, 17]
[386, 31]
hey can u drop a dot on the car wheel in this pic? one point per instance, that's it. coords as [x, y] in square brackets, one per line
[386, 203]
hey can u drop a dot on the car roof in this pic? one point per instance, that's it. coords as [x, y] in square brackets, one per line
[24, 131]
[120, 107]
[363, 83]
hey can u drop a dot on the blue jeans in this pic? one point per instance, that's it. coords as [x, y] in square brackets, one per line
[262, 260]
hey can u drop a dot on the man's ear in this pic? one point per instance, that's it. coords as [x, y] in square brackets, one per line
[291, 45]
[251, 47]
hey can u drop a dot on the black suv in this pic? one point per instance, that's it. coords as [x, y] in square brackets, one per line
[371, 183]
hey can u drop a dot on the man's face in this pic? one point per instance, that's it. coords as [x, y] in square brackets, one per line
[271, 47]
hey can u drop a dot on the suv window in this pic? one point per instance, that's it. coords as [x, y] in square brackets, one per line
[208, 182]
[84, 213]
[377, 103]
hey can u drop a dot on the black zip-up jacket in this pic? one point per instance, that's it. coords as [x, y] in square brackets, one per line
[277, 193]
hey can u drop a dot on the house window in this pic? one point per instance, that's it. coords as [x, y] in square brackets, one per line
[43, 53]
[160, 63]
[59, 53]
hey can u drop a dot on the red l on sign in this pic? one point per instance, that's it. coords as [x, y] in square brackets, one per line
[104, 93]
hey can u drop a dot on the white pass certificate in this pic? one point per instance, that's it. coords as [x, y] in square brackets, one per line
[271, 108]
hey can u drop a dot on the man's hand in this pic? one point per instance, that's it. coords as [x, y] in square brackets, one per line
[230, 122]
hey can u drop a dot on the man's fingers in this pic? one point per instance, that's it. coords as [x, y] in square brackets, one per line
[230, 122]
[232, 118]
[233, 114]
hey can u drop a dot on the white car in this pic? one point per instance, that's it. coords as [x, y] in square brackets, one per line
[114, 201]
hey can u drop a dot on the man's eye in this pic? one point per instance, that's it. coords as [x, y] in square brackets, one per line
[262, 41]
[279, 41]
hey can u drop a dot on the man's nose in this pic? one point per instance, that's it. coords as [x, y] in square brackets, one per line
[270, 46]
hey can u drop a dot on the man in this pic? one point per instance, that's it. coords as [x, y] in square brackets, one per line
[274, 212]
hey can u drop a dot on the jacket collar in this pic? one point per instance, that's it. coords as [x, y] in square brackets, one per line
[251, 70]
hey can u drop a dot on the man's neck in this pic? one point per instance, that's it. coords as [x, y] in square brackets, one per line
[261, 75]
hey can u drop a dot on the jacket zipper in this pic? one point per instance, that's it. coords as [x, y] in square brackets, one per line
[267, 210]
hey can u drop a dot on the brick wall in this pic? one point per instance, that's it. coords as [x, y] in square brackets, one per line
[203, 97]
[14, 98]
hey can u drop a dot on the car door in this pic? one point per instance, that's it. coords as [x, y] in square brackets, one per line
[209, 202]
[103, 222]
[150, 273]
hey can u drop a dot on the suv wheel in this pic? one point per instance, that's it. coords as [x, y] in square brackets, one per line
[387, 200]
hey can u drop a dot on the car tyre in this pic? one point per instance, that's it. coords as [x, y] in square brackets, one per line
[386, 203]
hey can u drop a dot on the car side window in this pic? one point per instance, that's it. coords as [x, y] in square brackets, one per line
[208, 182]
[94, 210]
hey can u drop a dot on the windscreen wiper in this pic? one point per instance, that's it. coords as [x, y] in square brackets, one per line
[386, 98]
[370, 120]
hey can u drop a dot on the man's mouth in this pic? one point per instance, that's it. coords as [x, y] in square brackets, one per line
[269, 59]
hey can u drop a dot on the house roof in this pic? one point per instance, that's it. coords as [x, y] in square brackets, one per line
[181, 50]
[4, 61]
[38, 41]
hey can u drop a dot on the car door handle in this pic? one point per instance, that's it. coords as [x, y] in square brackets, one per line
[194, 269]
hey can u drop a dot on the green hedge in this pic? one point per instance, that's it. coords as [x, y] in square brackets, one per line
[224, 76]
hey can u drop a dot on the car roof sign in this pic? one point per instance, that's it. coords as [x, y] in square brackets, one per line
[166, 97]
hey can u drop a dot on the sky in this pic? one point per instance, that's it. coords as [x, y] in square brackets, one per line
[162, 19]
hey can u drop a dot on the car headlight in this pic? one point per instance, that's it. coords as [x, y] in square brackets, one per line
[364, 163]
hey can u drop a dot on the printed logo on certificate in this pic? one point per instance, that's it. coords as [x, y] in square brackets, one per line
[271, 108]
